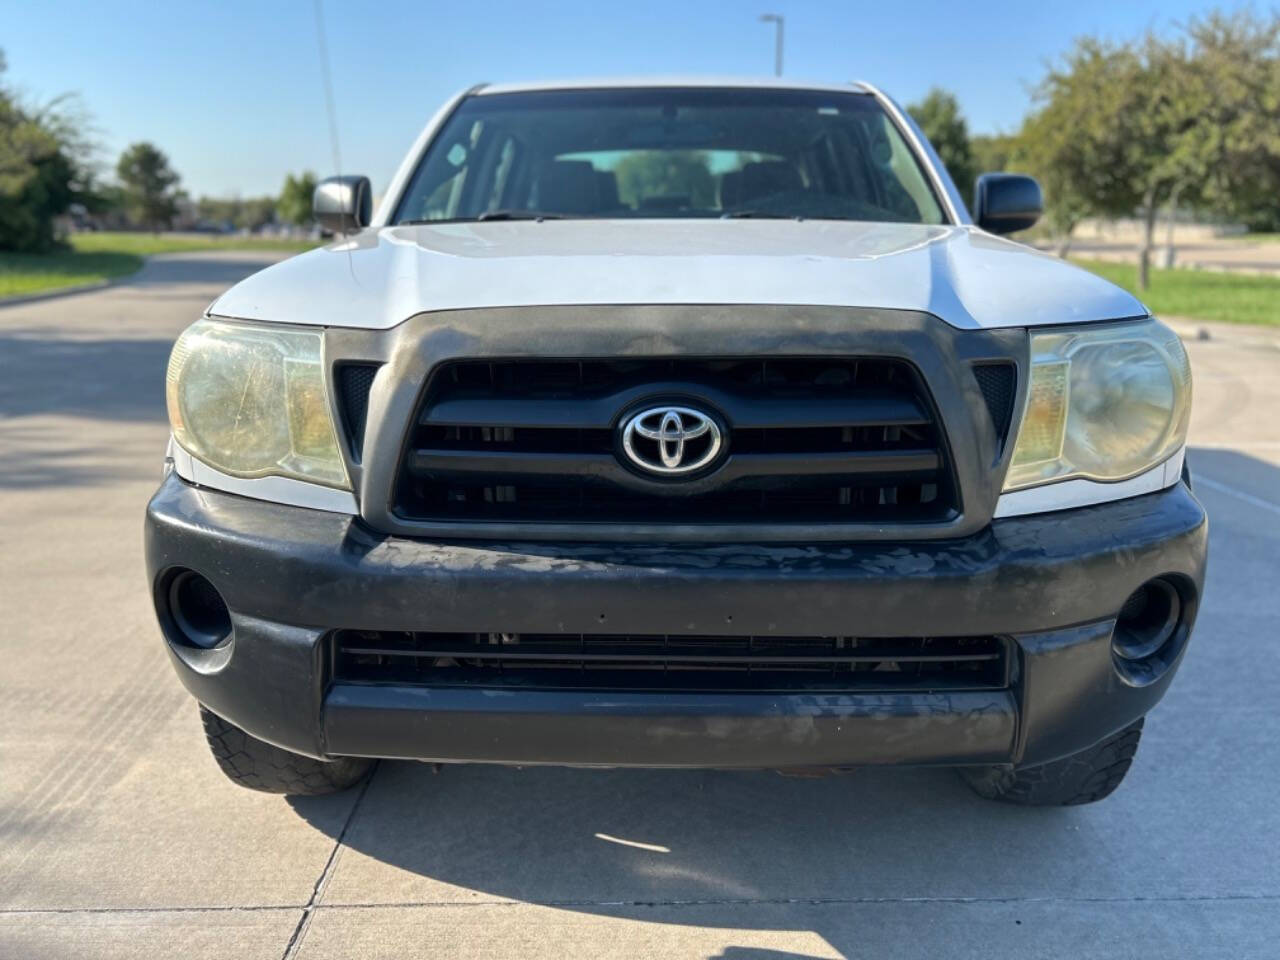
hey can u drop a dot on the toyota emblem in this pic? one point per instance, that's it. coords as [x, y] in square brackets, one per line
[670, 441]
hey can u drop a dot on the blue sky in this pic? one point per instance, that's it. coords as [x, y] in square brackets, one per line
[232, 92]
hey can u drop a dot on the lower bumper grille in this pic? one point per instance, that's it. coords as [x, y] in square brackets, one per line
[670, 662]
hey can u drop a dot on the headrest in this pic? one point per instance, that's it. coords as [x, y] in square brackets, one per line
[568, 186]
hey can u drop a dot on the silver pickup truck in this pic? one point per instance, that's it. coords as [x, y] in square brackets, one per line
[679, 423]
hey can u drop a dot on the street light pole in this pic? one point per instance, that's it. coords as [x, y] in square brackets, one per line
[777, 20]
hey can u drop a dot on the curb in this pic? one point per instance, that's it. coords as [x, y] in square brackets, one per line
[70, 291]
[116, 281]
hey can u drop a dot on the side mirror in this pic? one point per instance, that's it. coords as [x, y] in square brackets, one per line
[343, 204]
[1006, 202]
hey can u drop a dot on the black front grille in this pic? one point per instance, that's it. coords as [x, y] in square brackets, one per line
[809, 440]
[548, 661]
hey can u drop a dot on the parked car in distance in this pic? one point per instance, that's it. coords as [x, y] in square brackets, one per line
[677, 423]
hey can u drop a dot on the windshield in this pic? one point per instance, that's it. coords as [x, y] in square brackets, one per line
[645, 153]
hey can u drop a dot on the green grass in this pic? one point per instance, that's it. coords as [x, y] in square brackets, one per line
[145, 244]
[27, 273]
[1200, 294]
[97, 257]
[1258, 238]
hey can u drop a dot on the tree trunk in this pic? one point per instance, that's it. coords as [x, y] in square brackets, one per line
[1063, 246]
[1171, 220]
[1148, 235]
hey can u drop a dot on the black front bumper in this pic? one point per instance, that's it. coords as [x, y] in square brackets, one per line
[1053, 583]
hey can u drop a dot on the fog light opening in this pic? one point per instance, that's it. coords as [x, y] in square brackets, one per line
[1150, 631]
[1147, 620]
[199, 613]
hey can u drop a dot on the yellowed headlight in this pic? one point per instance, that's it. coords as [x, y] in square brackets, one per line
[1105, 402]
[250, 401]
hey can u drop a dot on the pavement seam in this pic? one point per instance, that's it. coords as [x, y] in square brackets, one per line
[308, 910]
[213, 908]
[779, 901]
[804, 901]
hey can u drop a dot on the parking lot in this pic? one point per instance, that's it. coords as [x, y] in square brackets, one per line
[120, 838]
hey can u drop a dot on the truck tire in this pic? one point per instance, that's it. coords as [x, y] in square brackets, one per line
[1084, 777]
[258, 765]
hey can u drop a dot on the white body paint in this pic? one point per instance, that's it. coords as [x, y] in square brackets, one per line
[963, 275]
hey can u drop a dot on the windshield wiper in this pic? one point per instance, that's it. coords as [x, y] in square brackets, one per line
[518, 215]
[487, 215]
[758, 215]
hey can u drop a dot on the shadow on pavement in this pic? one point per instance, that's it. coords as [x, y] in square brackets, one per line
[29, 462]
[68, 406]
[215, 269]
[109, 379]
[1239, 470]
[645, 844]
[60, 367]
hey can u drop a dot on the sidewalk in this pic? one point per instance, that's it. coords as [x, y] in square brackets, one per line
[1226, 255]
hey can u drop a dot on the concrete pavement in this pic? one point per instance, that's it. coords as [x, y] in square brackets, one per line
[119, 838]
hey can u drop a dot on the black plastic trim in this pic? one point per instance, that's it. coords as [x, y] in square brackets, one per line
[1019, 574]
[354, 382]
[290, 576]
[998, 382]
[854, 463]
[706, 730]
[878, 408]
[1006, 202]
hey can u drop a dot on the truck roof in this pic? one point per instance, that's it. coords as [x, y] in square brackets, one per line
[604, 83]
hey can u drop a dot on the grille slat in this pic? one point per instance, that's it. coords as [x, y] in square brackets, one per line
[607, 655]
[844, 439]
[868, 408]
[435, 463]
[688, 663]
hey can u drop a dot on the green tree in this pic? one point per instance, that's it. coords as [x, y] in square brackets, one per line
[1103, 138]
[294, 205]
[1234, 91]
[1191, 118]
[1170, 142]
[666, 173]
[993, 153]
[150, 185]
[256, 212]
[244, 213]
[225, 212]
[1068, 147]
[938, 115]
[40, 169]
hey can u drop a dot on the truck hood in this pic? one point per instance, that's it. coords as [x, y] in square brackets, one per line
[969, 278]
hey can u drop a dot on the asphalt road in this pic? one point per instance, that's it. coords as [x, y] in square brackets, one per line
[119, 837]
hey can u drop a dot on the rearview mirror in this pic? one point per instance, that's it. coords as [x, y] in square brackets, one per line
[1006, 202]
[343, 204]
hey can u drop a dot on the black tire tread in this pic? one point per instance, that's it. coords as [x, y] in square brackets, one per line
[1085, 777]
[258, 765]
